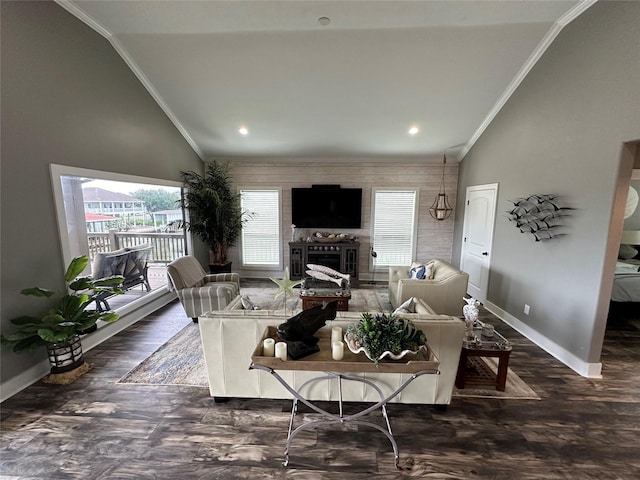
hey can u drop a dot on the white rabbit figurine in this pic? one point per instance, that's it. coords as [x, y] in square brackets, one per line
[470, 311]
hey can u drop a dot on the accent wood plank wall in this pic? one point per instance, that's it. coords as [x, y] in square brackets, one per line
[434, 237]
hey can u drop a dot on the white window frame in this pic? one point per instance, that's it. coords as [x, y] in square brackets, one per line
[58, 171]
[378, 264]
[263, 266]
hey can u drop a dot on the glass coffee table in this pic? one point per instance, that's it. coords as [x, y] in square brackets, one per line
[473, 371]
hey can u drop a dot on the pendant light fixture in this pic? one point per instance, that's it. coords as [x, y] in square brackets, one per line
[441, 209]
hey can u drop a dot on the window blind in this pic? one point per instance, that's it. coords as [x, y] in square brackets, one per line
[261, 233]
[394, 227]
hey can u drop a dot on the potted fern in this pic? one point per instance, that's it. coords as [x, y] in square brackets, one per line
[215, 214]
[59, 329]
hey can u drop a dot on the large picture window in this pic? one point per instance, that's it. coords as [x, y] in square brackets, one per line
[261, 232]
[101, 213]
[394, 227]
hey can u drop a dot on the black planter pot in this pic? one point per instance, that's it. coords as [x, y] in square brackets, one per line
[91, 329]
[220, 267]
[65, 356]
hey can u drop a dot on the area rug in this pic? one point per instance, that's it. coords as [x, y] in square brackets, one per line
[515, 388]
[364, 299]
[180, 360]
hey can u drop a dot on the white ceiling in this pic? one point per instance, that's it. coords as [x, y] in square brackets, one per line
[351, 88]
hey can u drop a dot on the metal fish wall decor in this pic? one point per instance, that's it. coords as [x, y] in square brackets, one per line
[539, 215]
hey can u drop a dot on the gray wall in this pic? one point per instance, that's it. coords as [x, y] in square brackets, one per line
[67, 98]
[562, 132]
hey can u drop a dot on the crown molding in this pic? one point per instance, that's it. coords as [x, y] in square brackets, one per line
[540, 49]
[76, 11]
[548, 39]
[82, 16]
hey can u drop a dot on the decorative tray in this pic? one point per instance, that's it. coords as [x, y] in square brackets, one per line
[321, 361]
[328, 240]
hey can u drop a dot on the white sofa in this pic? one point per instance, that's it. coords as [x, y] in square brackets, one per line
[229, 337]
[444, 291]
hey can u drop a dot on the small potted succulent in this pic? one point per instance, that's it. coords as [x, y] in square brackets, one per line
[384, 335]
[59, 329]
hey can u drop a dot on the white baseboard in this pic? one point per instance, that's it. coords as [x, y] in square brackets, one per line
[586, 369]
[129, 315]
[21, 381]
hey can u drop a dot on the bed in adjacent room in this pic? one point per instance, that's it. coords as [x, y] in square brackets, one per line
[625, 295]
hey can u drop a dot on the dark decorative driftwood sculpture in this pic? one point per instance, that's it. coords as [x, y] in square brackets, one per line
[303, 325]
[298, 330]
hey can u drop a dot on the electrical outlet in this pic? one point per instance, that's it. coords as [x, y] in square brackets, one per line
[527, 309]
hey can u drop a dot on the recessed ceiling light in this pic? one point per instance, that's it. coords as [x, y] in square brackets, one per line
[413, 130]
[324, 21]
[243, 131]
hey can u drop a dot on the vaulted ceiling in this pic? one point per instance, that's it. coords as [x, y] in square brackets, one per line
[327, 78]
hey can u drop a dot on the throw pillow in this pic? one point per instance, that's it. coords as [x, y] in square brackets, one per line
[430, 272]
[626, 252]
[420, 271]
[622, 267]
[406, 307]
[417, 271]
[247, 304]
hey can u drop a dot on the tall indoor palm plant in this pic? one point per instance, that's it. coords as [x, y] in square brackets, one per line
[215, 214]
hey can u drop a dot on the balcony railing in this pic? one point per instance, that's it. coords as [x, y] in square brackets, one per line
[167, 246]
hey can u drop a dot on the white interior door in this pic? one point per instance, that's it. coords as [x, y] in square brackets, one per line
[477, 237]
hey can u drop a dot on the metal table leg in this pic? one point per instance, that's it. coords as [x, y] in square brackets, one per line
[330, 418]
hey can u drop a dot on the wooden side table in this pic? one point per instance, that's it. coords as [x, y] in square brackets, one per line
[473, 371]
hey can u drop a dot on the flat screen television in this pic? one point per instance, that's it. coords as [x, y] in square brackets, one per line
[326, 207]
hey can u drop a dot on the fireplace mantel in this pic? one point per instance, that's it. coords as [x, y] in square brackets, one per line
[341, 256]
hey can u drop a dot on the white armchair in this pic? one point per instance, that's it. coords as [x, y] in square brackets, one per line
[443, 291]
[198, 291]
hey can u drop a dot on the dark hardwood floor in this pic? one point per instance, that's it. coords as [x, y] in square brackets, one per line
[98, 429]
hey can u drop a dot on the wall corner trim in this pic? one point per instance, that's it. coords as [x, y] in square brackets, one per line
[585, 369]
[133, 66]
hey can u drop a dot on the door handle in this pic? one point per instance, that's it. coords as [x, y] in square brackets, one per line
[485, 253]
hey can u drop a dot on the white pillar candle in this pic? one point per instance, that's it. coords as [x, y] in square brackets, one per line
[268, 347]
[337, 350]
[336, 334]
[281, 350]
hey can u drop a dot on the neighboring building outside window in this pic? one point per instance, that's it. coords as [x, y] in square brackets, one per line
[116, 203]
[88, 225]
